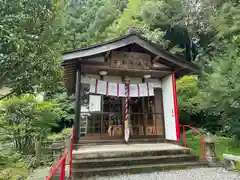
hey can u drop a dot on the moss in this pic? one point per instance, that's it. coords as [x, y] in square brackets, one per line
[13, 173]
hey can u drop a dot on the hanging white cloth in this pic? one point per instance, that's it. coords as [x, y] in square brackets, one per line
[118, 89]
[121, 90]
[133, 90]
[113, 89]
[150, 89]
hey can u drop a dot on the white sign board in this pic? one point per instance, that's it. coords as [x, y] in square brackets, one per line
[94, 103]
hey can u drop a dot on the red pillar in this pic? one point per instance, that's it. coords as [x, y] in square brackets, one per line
[175, 107]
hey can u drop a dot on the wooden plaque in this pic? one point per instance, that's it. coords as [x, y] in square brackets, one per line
[130, 60]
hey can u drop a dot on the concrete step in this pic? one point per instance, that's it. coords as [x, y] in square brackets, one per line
[118, 154]
[89, 142]
[109, 171]
[127, 161]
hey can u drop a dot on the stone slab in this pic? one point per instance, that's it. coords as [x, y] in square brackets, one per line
[127, 148]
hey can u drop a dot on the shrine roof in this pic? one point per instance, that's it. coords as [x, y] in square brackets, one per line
[132, 38]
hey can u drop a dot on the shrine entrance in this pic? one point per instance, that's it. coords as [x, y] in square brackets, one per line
[108, 123]
[96, 75]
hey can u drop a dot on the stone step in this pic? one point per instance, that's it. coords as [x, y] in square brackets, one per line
[126, 161]
[89, 142]
[118, 154]
[109, 171]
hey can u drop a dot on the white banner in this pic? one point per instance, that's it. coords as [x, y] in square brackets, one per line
[143, 90]
[117, 89]
[133, 90]
[101, 87]
[112, 89]
[121, 90]
[150, 89]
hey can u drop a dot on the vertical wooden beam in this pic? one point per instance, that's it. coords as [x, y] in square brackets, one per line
[102, 104]
[122, 115]
[144, 111]
[76, 131]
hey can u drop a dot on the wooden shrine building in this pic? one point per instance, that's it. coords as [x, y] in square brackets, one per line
[128, 60]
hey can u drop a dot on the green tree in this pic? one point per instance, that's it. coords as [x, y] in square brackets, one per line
[30, 33]
[188, 97]
[220, 85]
[24, 120]
[88, 20]
[66, 105]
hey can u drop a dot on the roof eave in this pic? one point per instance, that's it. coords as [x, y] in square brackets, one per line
[78, 54]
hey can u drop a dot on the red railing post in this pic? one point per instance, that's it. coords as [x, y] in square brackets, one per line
[70, 155]
[61, 163]
[198, 133]
[62, 175]
[203, 148]
[184, 137]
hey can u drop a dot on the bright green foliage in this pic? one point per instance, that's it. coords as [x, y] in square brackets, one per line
[97, 21]
[87, 21]
[30, 32]
[12, 164]
[223, 145]
[227, 20]
[220, 88]
[187, 91]
[66, 106]
[129, 18]
[220, 93]
[191, 110]
[162, 13]
[65, 133]
[25, 120]
[14, 173]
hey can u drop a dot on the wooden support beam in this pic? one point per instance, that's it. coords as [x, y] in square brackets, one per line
[77, 107]
[145, 112]
[154, 60]
[107, 54]
[109, 68]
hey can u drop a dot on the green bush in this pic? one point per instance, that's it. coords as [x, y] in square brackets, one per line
[191, 133]
[26, 119]
[14, 173]
[62, 135]
[13, 165]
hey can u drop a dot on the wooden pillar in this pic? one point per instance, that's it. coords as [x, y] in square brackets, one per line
[102, 106]
[144, 107]
[76, 126]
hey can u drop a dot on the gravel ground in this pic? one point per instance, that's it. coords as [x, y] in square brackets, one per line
[41, 173]
[188, 174]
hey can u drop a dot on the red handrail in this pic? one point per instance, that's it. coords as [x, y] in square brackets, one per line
[198, 133]
[62, 162]
[70, 155]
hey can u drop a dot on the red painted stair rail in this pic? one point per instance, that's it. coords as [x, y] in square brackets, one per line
[70, 155]
[184, 127]
[62, 164]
